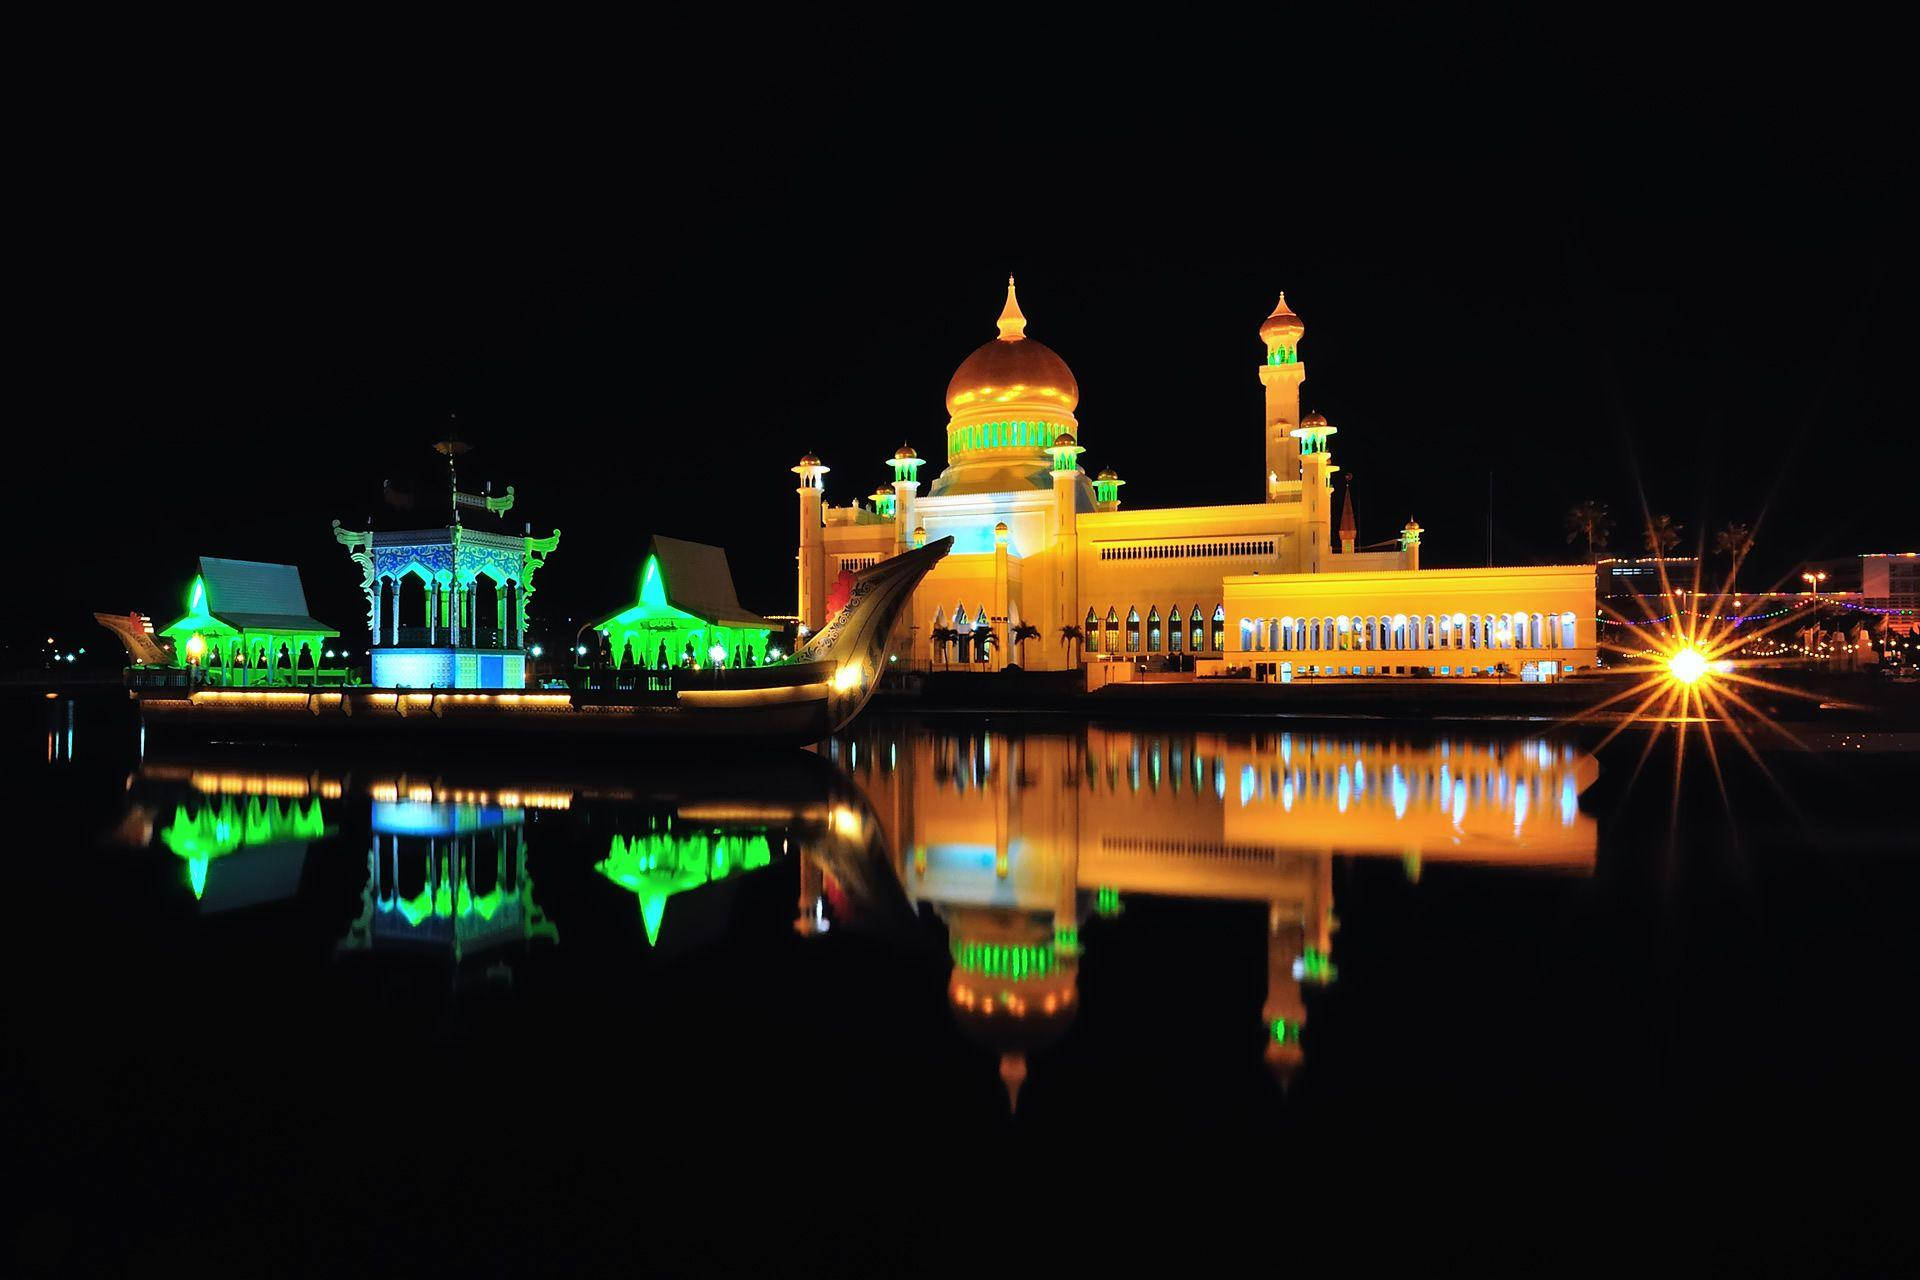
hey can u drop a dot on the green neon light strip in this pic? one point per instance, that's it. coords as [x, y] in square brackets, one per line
[996, 960]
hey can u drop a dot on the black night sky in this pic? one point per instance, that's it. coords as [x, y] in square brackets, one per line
[1575, 278]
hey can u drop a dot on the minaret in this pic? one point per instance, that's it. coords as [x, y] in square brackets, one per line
[1282, 375]
[813, 544]
[1349, 530]
[1316, 489]
[1410, 545]
[1106, 490]
[906, 484]
[1066, 453]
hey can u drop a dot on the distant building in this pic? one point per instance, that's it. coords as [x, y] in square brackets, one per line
[1618, 579]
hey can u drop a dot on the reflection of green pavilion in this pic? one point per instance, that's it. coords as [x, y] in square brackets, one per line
[686, 608]
[660, 863]
[276, 830]
[447, 876]
[247, 624]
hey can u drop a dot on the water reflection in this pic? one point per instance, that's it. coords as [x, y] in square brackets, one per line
[1015, 842]
[1024, 850]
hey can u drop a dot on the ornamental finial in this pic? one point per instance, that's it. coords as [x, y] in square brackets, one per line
[1013, 325]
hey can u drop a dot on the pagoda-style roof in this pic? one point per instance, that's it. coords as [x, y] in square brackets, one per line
[695, 579]
[251, 595]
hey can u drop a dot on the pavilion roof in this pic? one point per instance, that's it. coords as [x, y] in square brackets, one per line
[254, 595]
[697, 580]
[700, 581]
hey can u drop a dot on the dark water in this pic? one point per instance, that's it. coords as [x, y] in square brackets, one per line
[1328, 992]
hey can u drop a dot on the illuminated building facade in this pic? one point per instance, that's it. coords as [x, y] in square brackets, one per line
[1040, 543]
[447, 607]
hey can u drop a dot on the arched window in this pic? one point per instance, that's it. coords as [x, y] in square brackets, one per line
[1174, 630]
[1090, 632]
[1113, 631]
[1567, 640]
[1153, 630]
[1219, 636]
[1249, 639]
[1286, 633]
[1399, 631]
[1196, 638]
[1133, 629]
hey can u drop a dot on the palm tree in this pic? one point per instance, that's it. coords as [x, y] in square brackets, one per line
[943, 638]
[1662, 535]
[1023, 632]
[1590, 522]
[1733, 542]
[1072, 636]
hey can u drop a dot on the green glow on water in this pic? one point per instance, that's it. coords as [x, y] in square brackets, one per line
[1107, 902]
[1285, 1032]
[219, 828]
[656, 865]
[1316, 966]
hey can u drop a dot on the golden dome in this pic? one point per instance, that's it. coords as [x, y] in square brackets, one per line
[1318, 420]
[808, 460]
[1282, 326]
[1108, 473]
[1012, 369]
[904, 452]
[1065, 440]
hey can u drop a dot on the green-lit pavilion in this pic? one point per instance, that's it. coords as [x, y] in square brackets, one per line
[687, 613]
[247, 624]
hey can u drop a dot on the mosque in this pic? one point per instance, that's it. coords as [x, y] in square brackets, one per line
[1045, 552]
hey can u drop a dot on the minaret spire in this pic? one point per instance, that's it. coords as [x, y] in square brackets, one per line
[1349, 530]
[1013, 325]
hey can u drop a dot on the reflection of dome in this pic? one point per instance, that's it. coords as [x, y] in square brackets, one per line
[1013, 369]
[1012, 990]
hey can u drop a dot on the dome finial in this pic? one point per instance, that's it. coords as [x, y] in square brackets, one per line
[1013, 325]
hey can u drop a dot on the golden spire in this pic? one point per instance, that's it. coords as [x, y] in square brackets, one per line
[1013, 325]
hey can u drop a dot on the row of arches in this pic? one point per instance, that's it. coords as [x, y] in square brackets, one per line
[1196, 632]
[414, 608]
[1409, 632]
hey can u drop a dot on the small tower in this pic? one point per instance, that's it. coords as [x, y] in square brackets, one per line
[1410, 544]
[882, 499]
[1106, 490]
[1316, 488]
[813, 544]
[1066, 452]
[1281, 374]
[1349, 529]
[906, 486]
